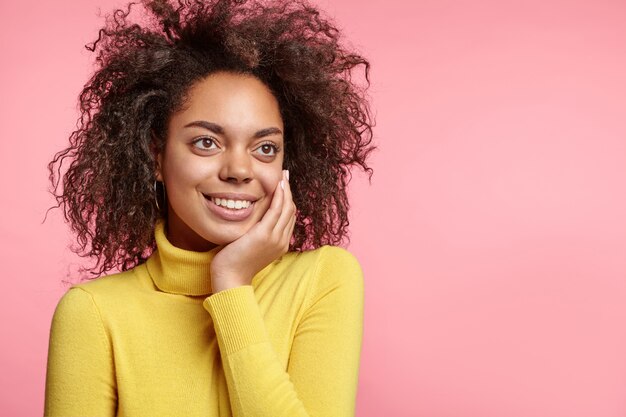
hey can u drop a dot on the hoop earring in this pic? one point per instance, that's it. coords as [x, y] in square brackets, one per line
[156, 195]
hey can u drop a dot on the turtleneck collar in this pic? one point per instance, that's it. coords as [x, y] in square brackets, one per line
[179, 271]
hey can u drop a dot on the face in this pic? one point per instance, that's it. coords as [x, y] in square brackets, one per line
[226, 141]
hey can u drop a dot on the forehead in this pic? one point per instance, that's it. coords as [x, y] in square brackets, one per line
[235, 101]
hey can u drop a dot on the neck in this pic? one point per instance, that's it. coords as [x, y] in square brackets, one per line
[178, 270]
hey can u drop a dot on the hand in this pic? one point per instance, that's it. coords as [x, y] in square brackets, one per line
[239, 261]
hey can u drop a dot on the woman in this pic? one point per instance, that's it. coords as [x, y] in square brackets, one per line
[210, 166]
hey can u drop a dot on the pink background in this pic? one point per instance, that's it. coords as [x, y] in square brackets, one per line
[493, 236]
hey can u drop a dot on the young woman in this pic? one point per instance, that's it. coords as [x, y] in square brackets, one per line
[210, 167]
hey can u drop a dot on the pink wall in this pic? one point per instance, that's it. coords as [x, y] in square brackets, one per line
[493, 237]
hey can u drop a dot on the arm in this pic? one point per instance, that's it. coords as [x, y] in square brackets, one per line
[322, 375]
[80, 380]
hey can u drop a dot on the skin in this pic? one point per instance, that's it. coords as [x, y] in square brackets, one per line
[201, 158]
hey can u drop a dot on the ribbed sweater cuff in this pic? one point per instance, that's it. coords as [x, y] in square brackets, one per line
[237, 318]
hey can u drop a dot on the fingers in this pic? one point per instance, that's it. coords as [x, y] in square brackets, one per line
[288, 232]
[289, 213]
[288, 209]
[279, 219]
[272, 214]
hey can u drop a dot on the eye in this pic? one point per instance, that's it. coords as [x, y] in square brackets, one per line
[204, 143]
[267, 147]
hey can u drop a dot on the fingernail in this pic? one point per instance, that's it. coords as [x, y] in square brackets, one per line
[287, 173]
[282, 184]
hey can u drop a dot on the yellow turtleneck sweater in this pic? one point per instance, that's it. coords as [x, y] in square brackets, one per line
[154, 341]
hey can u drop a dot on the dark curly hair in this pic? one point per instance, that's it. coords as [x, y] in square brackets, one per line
[144, 72]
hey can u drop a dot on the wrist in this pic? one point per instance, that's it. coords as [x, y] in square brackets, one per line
[224, 283]
[223, 287]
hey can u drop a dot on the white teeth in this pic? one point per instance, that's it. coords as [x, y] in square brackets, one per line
[231, 204]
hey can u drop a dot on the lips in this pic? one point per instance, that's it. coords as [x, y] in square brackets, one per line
[229, 214]
[232, 196]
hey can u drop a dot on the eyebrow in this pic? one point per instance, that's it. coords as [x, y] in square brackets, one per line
[215, 128]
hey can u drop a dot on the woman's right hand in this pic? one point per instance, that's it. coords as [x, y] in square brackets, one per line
[239, 261]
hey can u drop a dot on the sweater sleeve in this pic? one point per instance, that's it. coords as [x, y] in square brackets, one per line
[80, 379]
[322, 376]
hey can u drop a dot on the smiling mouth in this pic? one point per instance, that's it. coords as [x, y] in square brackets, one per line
[230, 203]
[231, 214]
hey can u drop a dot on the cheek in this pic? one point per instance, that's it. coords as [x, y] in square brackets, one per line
[270, 181]
[188, 172]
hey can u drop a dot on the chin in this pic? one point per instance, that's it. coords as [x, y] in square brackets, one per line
[227, 237]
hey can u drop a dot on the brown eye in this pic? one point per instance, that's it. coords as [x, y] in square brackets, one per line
[267, 148]
[203, 143]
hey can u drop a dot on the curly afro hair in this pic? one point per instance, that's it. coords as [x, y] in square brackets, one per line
[144, 71]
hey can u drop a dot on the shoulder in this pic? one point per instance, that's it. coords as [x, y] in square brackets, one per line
[102, 292]
[73, 302]
[116, 282]
[326, 256]
[338, 263]
[76, 314]
[338, 257]
[335, 269]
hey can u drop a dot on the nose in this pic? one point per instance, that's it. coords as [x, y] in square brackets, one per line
[237, 166]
